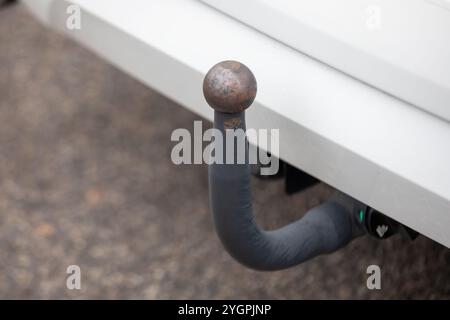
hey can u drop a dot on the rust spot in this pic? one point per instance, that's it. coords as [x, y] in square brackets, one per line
[232, 123]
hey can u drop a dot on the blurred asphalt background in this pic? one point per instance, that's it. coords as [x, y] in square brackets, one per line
[86, 179]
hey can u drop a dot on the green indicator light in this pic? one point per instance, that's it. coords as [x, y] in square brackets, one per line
[361, 215]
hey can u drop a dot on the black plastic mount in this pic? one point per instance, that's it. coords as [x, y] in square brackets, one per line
[295, 179]
[381, 226]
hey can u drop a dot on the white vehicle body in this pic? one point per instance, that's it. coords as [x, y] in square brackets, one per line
[380, 149]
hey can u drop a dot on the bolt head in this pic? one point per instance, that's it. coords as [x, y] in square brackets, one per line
[229, 87]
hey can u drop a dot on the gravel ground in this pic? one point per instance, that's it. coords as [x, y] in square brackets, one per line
[86, 179]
